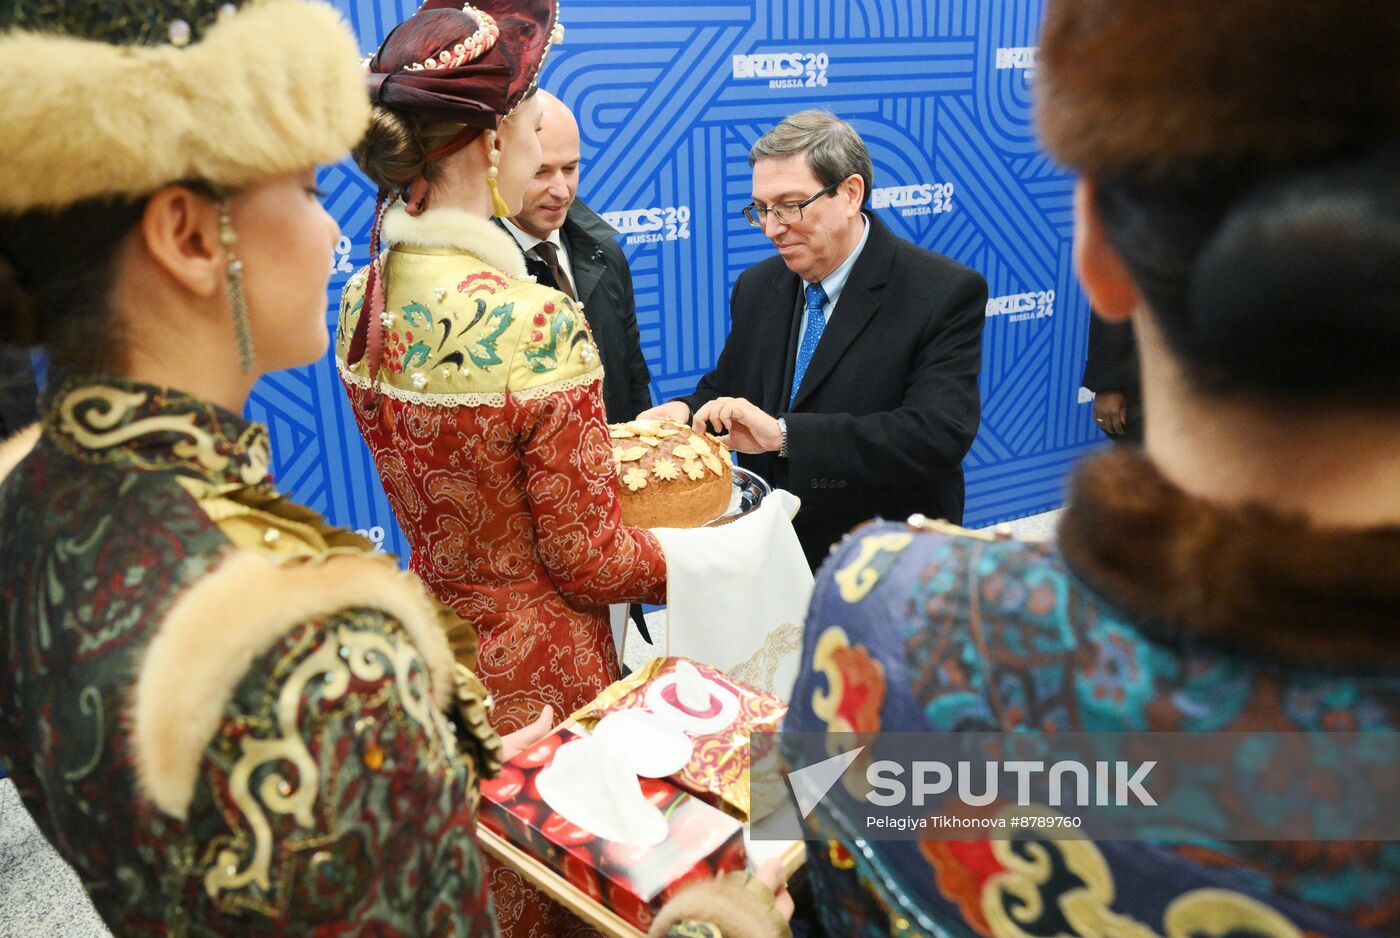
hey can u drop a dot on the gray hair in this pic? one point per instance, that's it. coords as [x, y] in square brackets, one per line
[833, 149]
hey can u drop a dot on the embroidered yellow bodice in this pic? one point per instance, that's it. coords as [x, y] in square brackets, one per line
[460, 331]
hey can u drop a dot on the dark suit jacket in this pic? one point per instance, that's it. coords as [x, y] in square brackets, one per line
[1112, 365]
[1112, 362]
[603, 282]
[889, 405]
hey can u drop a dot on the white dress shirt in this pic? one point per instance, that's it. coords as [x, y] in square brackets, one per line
[833, 283]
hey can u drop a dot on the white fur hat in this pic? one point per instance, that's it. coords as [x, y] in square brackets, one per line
[104, 100]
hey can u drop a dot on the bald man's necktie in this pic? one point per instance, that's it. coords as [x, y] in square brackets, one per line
[548, 253]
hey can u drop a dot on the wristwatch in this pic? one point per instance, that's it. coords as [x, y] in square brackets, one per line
[782, 447]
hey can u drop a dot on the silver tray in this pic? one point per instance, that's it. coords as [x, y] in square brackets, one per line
[749, 491]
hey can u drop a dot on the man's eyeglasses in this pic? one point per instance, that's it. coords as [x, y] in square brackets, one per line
[787, 213]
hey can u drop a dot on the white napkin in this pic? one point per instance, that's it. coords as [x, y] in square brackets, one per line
[737, 594]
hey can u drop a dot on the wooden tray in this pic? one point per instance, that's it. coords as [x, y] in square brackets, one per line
[575, 900]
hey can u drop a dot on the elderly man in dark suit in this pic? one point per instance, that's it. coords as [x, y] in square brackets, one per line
[850, 373]
[568, 246]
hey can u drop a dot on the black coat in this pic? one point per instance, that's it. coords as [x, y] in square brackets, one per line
[603, 282]
[1112, 365]
[1112, 362]
[889, 405]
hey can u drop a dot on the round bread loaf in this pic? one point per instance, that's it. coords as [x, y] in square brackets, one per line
[669, 475]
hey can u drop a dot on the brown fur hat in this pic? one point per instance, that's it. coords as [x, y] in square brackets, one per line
[1147, 86]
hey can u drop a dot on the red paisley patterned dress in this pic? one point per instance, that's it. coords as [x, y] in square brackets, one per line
[486, 424]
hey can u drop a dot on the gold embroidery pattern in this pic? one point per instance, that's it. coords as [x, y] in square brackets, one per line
[104, 408]
[853, 699]
[1217, 912]
[199, 445]
[824, 703]
[877, 553]
[1018, 898]
[762, 667]
[364, 655]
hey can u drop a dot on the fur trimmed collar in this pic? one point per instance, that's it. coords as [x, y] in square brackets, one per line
[1244, 579]
[460, 230]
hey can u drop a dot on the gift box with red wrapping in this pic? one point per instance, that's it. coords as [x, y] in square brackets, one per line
[720, 730]
[634, 882]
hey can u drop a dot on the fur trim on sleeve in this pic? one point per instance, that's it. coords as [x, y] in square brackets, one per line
[16, 448]
[737, 911]
[214, 632]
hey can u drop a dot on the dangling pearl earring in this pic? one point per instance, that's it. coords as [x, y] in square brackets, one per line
[233, 274]
[499, 208]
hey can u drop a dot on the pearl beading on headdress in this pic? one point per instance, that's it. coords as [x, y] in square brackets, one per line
[481, 42]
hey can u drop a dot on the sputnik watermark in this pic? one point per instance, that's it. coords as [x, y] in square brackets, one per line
[965, 825]
[1119, 786]
[1117, 783]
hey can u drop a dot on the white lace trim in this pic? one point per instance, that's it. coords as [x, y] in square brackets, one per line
[469, 399]
[555, 387]
[479, 399]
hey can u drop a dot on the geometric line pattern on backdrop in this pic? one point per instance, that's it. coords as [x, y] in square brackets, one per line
[670, 97]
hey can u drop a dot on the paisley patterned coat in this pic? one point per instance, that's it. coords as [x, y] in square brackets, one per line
[1153, 612]
[225, 714]
[486, 424]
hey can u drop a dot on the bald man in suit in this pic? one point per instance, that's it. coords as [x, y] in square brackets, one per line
[571, 248]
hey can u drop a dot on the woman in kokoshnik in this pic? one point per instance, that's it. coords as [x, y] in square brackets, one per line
[478, 390]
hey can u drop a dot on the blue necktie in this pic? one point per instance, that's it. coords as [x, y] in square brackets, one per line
[816, 322]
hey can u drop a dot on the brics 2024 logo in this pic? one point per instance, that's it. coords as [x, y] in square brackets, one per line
[644, 225]
[928, 198]
[1019, 58]
[1019, 307]
[784, 69]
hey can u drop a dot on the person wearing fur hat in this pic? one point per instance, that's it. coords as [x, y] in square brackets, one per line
[1239, 203]
[228, 716]
[224, 713]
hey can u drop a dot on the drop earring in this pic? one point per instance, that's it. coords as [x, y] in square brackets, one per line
[498, 204]
[233, 273]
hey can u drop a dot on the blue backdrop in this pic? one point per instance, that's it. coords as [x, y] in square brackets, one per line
[670, 95]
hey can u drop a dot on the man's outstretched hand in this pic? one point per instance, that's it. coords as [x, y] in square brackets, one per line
[749, 429]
